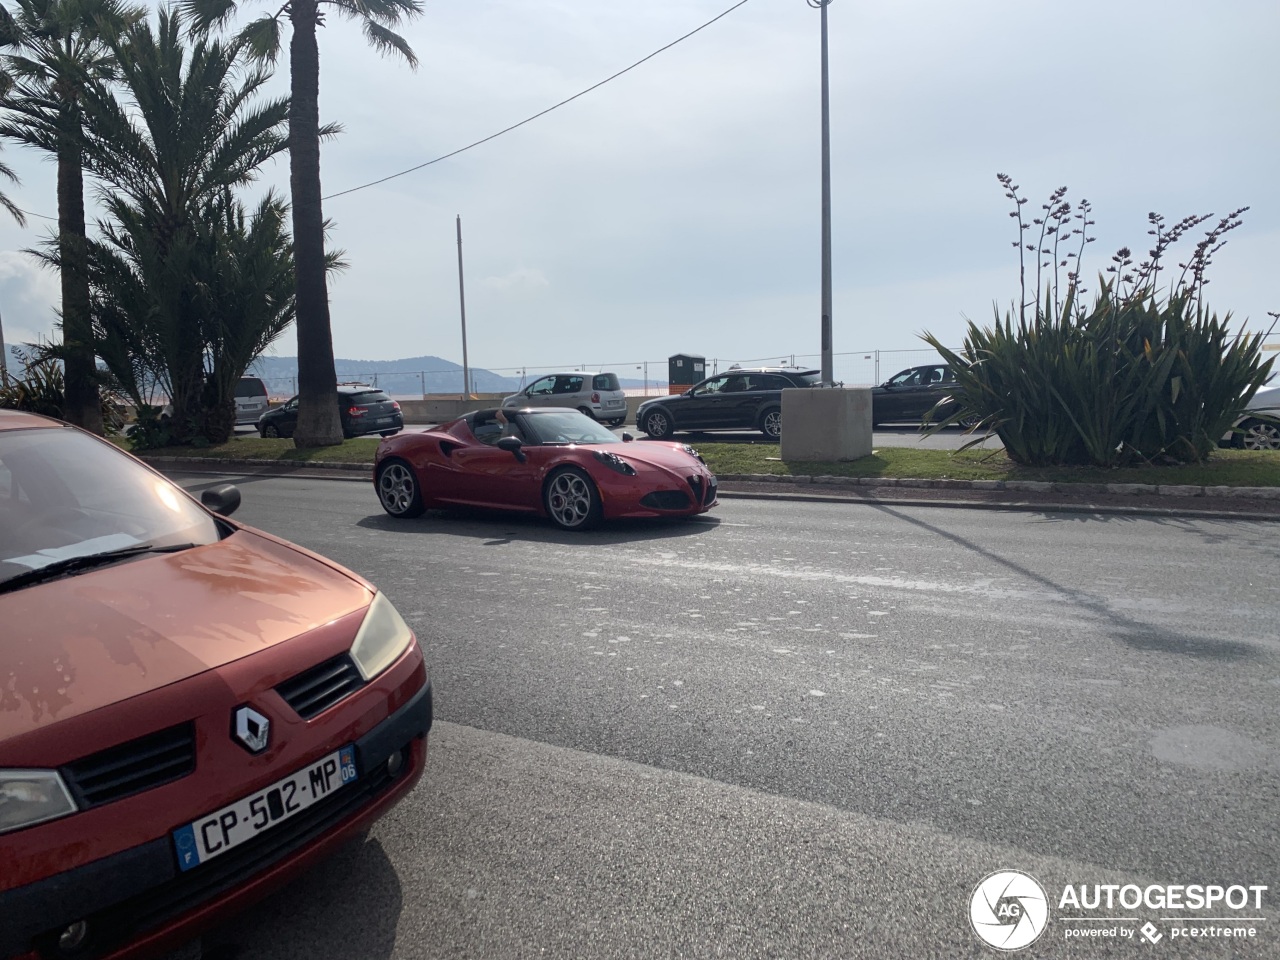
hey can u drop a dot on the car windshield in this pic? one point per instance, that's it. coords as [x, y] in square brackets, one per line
[64, 494]
[566, 426]
[250, 387]
[605, 381]
[366, 397]
[811, 379]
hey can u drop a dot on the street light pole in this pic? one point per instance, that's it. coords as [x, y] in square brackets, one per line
[827, 375]
[462, 304]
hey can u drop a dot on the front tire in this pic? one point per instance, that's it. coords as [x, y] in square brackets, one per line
[571, 500]
[1258, 435]
[399, 491]
[771, 424]
[270, 431]
[657, 424]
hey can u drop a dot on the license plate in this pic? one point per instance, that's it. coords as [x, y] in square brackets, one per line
[222, 830]
[614, 403]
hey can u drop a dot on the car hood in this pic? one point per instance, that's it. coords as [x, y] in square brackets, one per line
[658, 453]
[77, 644]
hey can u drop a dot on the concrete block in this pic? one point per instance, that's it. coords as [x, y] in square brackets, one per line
[826, 423]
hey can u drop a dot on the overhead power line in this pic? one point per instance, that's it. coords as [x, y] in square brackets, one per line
[514, 126]
[542, 113]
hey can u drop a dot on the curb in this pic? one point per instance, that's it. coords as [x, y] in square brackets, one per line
[1016, 486]
[1023, 495]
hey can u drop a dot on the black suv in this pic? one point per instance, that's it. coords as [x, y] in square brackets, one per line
[734, 400]
[363, 409]
[910, 394]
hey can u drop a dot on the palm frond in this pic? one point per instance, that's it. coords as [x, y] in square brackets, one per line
[387, 42]
[262, 39]
[207, 15]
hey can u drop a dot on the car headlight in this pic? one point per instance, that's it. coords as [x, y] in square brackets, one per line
[29, 797]
[614, 462]
[381, 639]
[692, 452]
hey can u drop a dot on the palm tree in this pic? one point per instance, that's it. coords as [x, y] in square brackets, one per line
[185, 287]
[55, 49]
[318, 423]
[187, 135]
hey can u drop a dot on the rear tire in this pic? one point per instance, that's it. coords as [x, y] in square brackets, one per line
[571, 499]
[586, 412]
[657, 424]
[771, 424]
[399, 491]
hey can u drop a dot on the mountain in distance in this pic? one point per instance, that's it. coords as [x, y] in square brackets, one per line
[411, 376]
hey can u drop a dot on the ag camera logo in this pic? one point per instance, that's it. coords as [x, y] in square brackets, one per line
[1009, 910]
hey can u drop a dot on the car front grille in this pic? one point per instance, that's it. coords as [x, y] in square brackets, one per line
[129, 768]
[703, 493]
[316, 690]
[665, 500]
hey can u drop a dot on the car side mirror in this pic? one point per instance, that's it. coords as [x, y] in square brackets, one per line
[224, 499]
[627, 438]
[512, 445]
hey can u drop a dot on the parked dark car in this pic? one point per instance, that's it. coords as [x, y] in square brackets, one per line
[909, 395]
[734, 400]
[364, 409]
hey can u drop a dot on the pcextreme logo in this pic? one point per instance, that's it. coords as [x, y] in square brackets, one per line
[1009, 910]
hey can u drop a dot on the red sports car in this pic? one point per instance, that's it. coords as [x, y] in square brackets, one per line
[554, 462]
[191, 710]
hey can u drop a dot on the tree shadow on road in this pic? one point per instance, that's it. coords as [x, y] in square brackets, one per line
[1127, 630]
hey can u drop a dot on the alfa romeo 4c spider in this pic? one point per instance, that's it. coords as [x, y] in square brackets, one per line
[551, 462]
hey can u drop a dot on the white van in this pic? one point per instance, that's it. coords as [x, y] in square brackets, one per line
[251, 399]
[598, 395]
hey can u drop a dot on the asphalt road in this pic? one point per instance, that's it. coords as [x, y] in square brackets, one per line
[802, 730]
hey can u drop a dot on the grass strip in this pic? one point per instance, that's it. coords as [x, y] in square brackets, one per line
[1234, 468]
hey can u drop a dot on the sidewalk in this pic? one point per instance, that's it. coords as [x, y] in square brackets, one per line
[1240, 503]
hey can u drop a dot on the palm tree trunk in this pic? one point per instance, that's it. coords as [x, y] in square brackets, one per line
[83, 405]
[318, 422]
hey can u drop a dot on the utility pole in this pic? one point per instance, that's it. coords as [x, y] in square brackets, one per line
[462, 304]
[827, 375]
[4, 356]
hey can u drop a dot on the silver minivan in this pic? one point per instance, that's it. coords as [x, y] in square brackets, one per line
[251, 399]
[598, 395]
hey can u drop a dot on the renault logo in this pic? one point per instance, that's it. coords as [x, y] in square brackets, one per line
[251, 728]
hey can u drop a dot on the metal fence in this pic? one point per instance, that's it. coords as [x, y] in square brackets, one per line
[852, 368]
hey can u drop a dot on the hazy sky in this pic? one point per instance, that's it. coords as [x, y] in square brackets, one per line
[676, 208]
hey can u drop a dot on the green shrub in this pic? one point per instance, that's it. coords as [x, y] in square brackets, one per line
[1140, 375]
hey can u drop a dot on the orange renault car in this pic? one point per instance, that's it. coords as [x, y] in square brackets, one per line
[191, 710]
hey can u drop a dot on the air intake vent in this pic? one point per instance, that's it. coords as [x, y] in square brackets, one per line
[319, 688]
[132, 767]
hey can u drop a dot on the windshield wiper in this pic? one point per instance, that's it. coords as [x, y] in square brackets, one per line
[69, 565]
